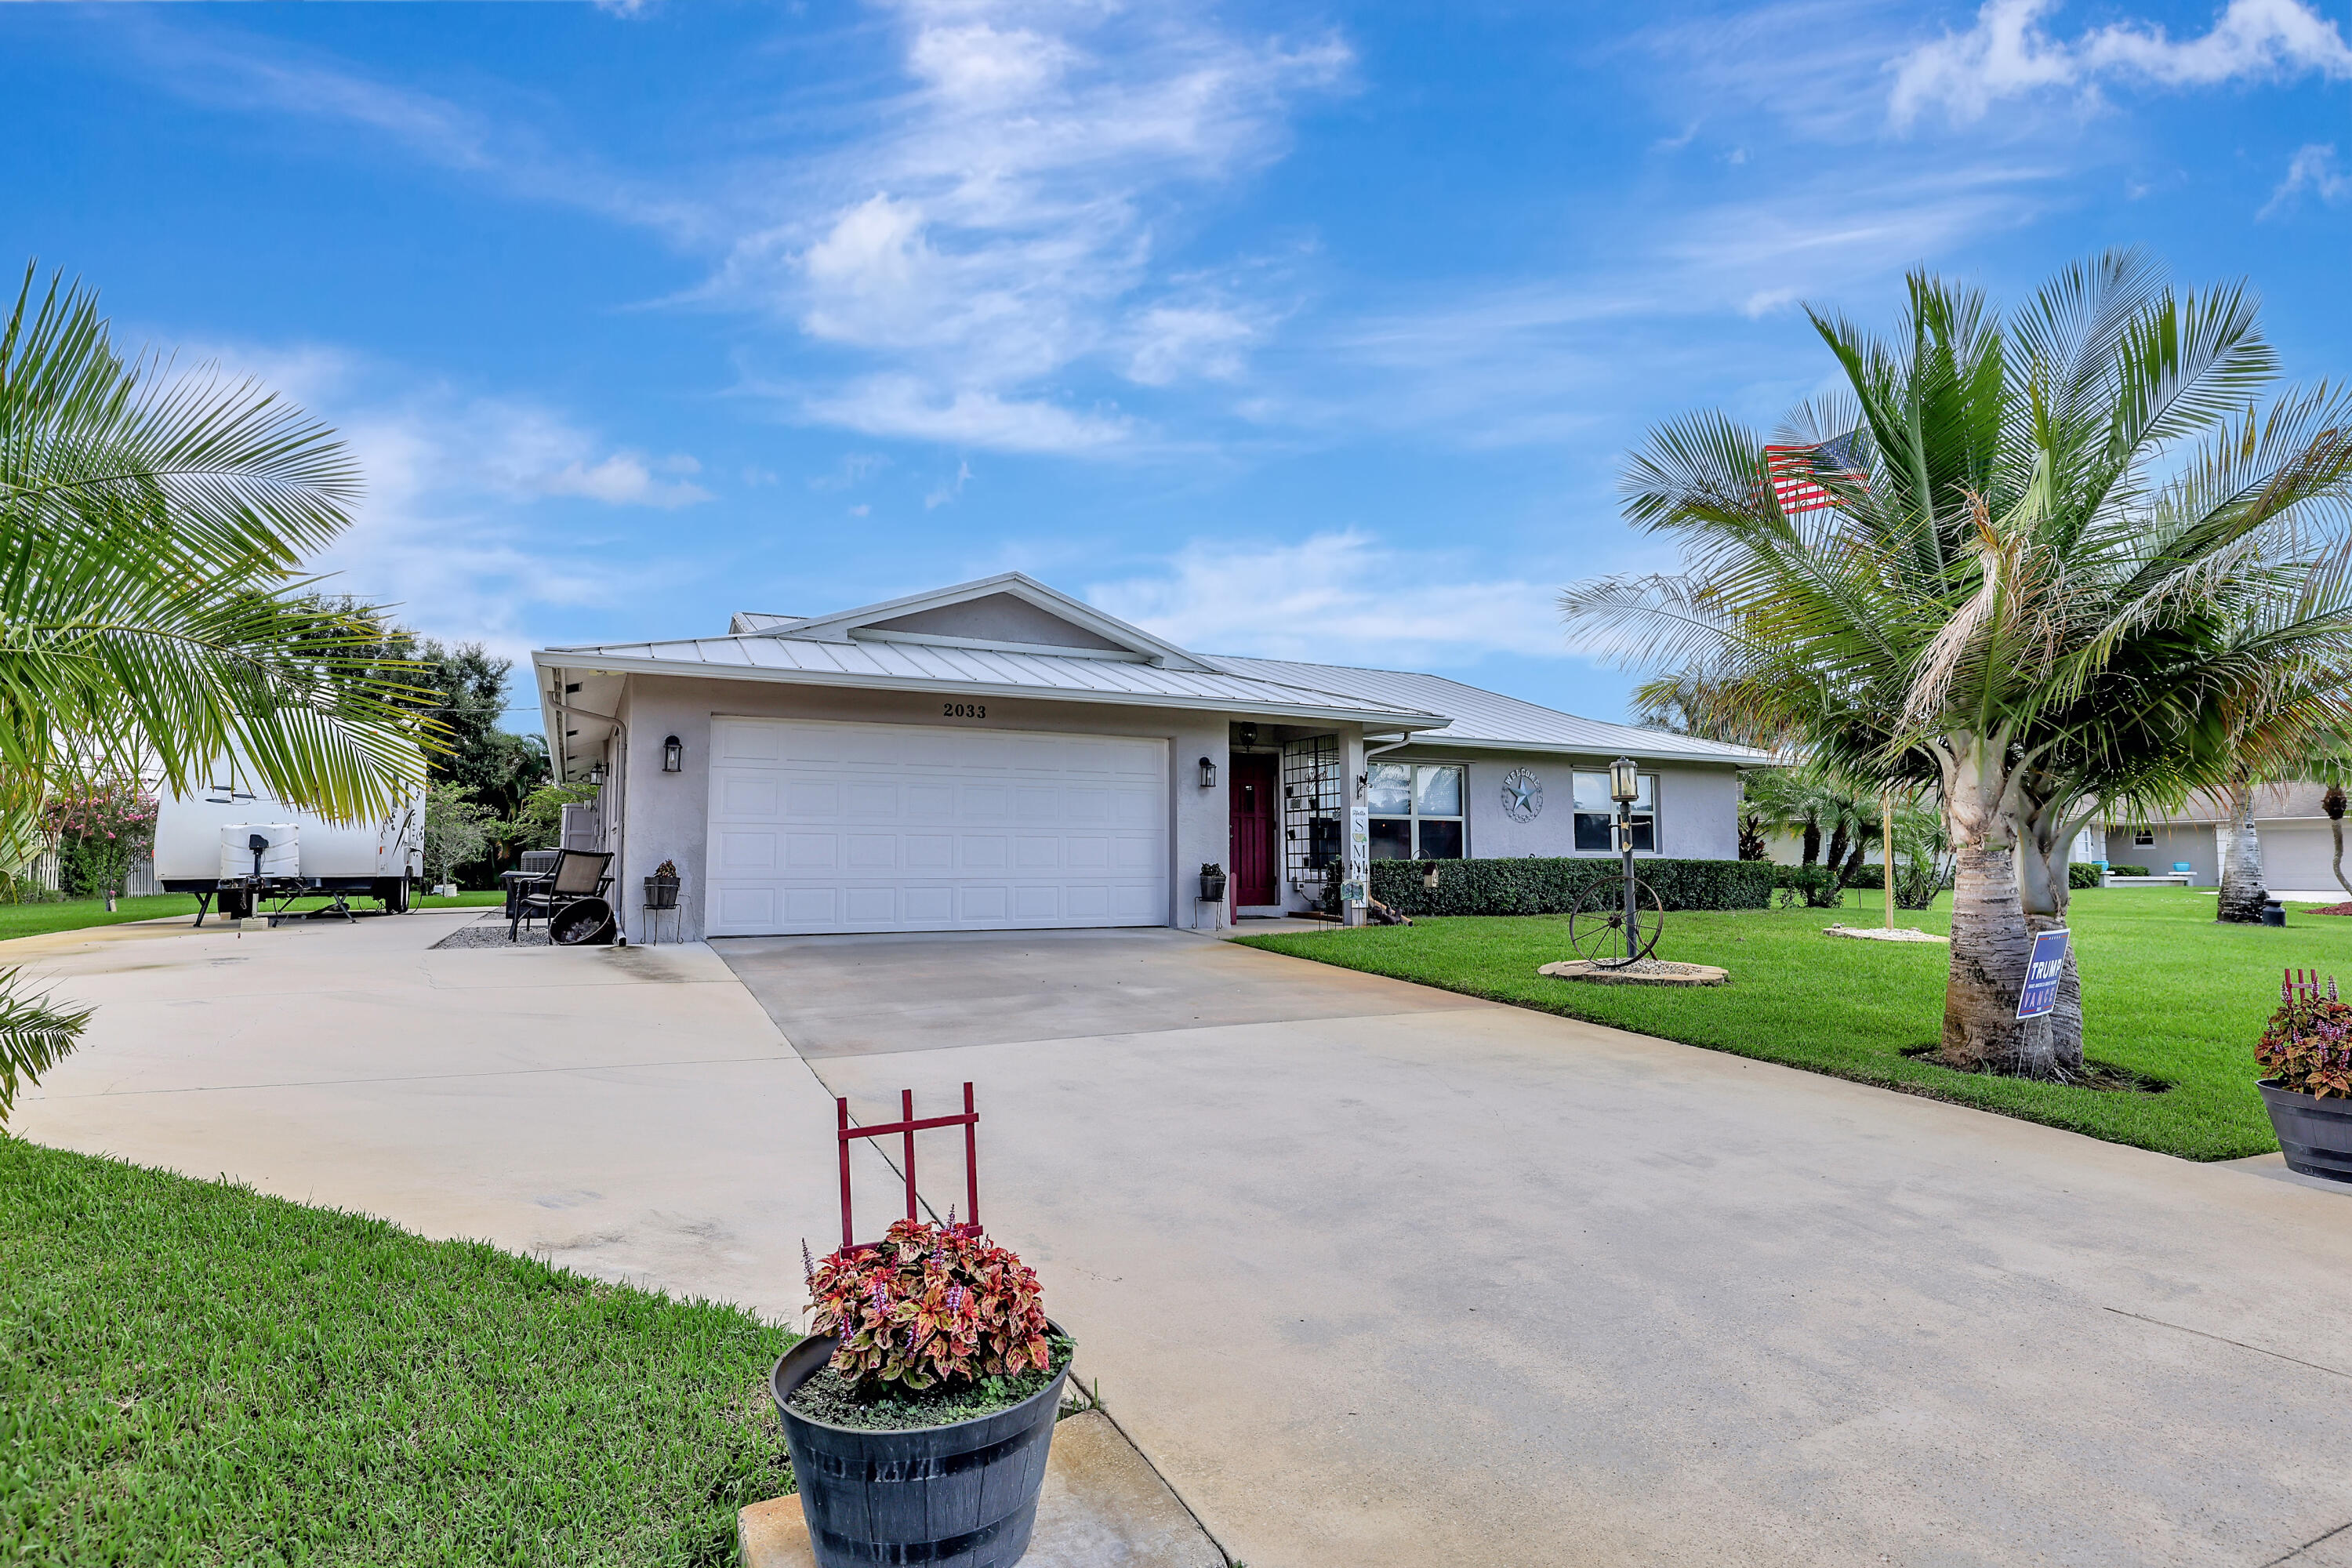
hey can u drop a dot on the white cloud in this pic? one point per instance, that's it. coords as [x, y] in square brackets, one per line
[2312, 168]
[952, 491]
[910, 406]
[1011, 221]
[453, 524]
[1337, 597]
[2008, 53]
[1171, 343]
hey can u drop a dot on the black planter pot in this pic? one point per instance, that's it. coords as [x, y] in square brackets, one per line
[961, 1496]
[661, 892]
[2315, 1134]
[1212, 887]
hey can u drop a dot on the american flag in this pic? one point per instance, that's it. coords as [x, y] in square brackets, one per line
[1795, 473]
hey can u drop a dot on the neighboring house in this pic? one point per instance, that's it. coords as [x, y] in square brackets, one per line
[2297, 849]
[999, 755]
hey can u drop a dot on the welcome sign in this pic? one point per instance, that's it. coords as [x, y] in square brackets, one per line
[2040, 996]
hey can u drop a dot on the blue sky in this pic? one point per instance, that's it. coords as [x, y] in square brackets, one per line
[1307, 331]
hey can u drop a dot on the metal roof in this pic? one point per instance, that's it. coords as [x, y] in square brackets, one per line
[886, 665]
[1476, 717]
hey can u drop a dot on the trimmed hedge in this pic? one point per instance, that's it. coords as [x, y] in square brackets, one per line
[2082, 875]
[1549, 886]
[2126, 870]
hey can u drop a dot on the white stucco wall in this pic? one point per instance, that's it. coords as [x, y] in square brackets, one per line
[666, 816]
[1697, 806]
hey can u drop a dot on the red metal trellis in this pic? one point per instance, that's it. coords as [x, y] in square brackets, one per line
[906, 1126]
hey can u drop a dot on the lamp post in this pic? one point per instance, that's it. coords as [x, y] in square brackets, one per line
[1624, 783]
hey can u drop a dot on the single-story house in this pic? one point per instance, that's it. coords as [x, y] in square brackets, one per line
[998, 755]
[2298, 850]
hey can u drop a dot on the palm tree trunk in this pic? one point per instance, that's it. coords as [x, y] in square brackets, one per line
[2242, 894]
[1990, 943]
[1812, 843]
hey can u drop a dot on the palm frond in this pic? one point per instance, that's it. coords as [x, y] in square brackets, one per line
[34, 1035]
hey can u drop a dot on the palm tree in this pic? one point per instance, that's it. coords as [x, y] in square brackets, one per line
[2000, 597]
[150, 527]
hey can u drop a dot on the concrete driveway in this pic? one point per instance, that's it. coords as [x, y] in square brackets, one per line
[1376, 1275]
[1382, 1276]
[627, 1113]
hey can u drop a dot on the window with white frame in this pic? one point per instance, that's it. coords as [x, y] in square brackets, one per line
[1595, 811]
[1416, 811]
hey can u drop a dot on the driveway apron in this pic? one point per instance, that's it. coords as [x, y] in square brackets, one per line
[1379, 1275]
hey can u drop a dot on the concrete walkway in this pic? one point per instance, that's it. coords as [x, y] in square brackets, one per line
[1375, 1274]
[1432, 1281]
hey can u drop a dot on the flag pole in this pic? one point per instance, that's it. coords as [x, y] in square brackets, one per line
[1887, 847]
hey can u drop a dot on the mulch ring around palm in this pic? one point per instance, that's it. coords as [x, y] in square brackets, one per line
[2097, 1075]
[2329, 909]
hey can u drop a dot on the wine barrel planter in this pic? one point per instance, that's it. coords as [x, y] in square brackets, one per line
[960, 1496]
[661, 892]
[2315, 1135]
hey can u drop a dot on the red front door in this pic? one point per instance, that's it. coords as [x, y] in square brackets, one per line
[1256, 866]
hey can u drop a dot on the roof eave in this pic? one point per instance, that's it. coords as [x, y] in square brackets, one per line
[1562, 748]
[591, 658]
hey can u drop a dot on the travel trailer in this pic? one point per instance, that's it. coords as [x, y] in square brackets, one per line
[235, 848]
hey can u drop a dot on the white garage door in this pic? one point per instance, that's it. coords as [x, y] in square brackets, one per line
[849, 827]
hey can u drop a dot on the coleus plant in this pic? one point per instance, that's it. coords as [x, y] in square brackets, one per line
[2307, 1046]
[930, 1304]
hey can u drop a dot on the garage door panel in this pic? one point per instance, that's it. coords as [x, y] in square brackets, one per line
[872, 851]
[740, 852]
[805, 852]
[868, 801]
[745, 796]
[746, 906]
[823, 827]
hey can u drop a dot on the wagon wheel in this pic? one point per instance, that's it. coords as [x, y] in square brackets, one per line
[1596, 925]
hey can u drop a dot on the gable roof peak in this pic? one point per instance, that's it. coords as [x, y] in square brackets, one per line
[850, 625]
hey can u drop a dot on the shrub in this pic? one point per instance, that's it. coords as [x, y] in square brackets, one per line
[2308, 1046]
[2126, 870]
[2082, 875]
[931, 1305]
[98, 836]
[1816, 886]
[1549, 886]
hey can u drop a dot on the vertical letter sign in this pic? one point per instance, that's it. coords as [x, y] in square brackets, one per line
[2040, 996]
[1359, 857]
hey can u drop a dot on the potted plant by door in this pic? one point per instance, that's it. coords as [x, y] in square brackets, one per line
[661, 888]
[2307, 1051]
[920, 1410]
[1212, 884]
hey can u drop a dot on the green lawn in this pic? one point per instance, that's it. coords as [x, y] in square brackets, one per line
[73, 914]
[2166, 991]
[193, 1373]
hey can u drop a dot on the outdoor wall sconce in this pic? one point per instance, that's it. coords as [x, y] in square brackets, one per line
[673, 756]
[596, 775]
[1208, 773]
[1624, 783]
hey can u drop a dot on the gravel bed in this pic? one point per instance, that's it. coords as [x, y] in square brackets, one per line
[490, 930]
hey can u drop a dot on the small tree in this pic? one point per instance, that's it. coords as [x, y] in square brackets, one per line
[540, 824]
[100, 834]
[457, 830]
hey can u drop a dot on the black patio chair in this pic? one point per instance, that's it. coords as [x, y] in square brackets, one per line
[579, 877]
[536, 864]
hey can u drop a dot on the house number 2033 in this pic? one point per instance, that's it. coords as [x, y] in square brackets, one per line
[964, 710]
